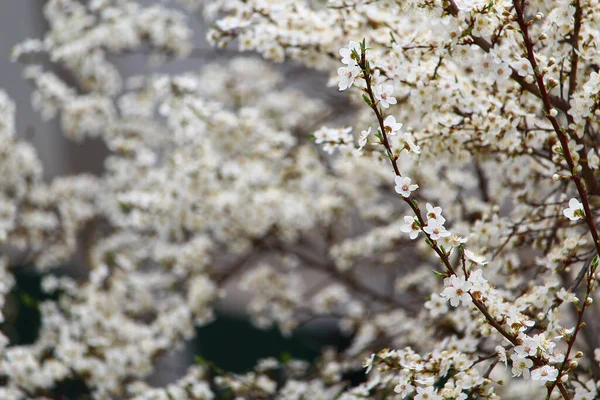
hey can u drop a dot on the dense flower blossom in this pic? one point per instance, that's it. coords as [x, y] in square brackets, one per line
[211, 185]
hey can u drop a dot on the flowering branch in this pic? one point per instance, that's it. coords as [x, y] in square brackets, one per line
[560, 132]
[442, 254]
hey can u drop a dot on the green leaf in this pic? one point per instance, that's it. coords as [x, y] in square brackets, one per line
[199, 360]
[594, 263]
[439, 274]
[125, 207]
[28, 301]
[285, 357]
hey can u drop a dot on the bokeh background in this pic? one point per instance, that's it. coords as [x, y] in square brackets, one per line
[231, 342]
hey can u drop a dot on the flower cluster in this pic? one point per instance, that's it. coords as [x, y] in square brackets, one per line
[484, 112]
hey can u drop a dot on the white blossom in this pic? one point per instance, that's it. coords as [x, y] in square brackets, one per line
[383, 93]
[404, 186]
[435, 230]
[363, 138]
[546, 373]
[456, 290]
[346, 53]
[391, 126]
[411, 226]
[521, 366]
[575, 210]
[347, 76]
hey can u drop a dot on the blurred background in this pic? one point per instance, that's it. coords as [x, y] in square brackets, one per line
[231, 342]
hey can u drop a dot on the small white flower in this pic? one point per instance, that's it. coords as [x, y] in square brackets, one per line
[435, 230]
[456, 290]
[503, 72]
[575, 210]
[475, 258]
[363, 138]
[582, 393]
[411, 226]
[529, 347]
[404, 186]
[520, 366]
[346, 53]
[391, 126]
[481, 287]
[384, 95]
[456, 240]
[410, 145]
[487, 65]
[427, 393]
[368, 363]
[523, 67]
[436, 305]
[347, 76]
[404, 388]
[546, 373]
[435, 213]
[502, 355]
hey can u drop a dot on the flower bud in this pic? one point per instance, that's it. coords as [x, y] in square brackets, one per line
[579, 354]
[553, 112]
[552, 83]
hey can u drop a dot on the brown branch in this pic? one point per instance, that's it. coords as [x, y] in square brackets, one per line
[575, 52]
[558, 103]
[563, 138]
[560, 133]
[480, 305]
[417, 211]
[329, 267]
